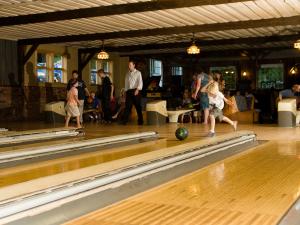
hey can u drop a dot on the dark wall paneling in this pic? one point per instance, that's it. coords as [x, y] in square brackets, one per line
[8, 62]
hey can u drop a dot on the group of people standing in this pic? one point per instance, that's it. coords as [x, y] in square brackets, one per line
[77, 92]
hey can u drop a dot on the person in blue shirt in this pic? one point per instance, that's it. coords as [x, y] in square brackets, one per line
[202, 80]
[96, 105]
[289, 93]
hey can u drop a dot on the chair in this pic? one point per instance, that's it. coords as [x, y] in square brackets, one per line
[248, 116]
[187, 114]
[287, 113]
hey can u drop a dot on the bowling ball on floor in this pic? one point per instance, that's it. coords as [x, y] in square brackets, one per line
[181, 133]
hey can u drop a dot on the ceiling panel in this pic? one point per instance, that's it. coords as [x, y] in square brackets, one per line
[26, 7]
[198, 15]
[204, 36]
[241, 11]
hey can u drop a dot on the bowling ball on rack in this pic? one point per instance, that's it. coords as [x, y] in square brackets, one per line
[190, 105]
[181, 133]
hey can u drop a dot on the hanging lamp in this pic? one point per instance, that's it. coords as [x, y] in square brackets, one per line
[103, 54]
[297, 44]
[193, 49]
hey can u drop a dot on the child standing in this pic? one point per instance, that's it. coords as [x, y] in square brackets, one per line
[72, 104]
[216, 104]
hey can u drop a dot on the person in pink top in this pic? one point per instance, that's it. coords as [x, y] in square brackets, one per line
[72, 104]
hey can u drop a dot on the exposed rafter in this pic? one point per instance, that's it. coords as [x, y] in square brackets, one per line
[30, 52]
[84, 58]
[213, 55]
[108, 11]
[294, 20]
[249, 41]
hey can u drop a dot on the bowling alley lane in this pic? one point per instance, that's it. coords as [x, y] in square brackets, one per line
[23, 146]
[18, 174]
[255, 187]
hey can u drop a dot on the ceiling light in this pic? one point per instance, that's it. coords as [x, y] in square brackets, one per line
[103, 54]
[297, 44]
[295, 69]
[193, 49]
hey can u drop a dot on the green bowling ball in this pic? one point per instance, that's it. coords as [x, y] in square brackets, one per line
[190, 105]
[181, 133]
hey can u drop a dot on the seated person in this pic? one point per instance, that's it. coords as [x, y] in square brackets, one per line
[227, 94]
[187, 104]
[186, 99]
[289, 93]
[121, 104]
[172, 102]
[240, 102]
[249, 99]
[94, 103]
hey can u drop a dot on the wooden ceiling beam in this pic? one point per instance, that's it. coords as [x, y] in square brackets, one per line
[208, 54]
[108, 11]
[202, 43]
[293, 20]
[30, 52]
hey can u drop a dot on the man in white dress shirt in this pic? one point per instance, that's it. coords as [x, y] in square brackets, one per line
[133, 87]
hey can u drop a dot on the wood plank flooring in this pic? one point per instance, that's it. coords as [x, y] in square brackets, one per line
[22, 173]
[255, 187]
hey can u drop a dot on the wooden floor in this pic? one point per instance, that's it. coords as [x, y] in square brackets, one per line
[255, 187]
[22, 173]
[263, 131]
[18, 174]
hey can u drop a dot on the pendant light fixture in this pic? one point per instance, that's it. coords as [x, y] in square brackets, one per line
[193, 49]
[297, 44]
[103, 54]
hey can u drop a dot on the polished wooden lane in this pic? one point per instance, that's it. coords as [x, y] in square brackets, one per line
[18, 174]
[24, 146]
[42, 183]
[255, 187]
[197, 131]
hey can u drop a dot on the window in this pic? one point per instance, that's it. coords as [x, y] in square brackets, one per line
[270, 75]
[51, 68]
[105, 66]
[58, 69]
[93, 69]
[156, 69]
[42, 70]
[229, 75]
[177, 71]
[95, 65]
